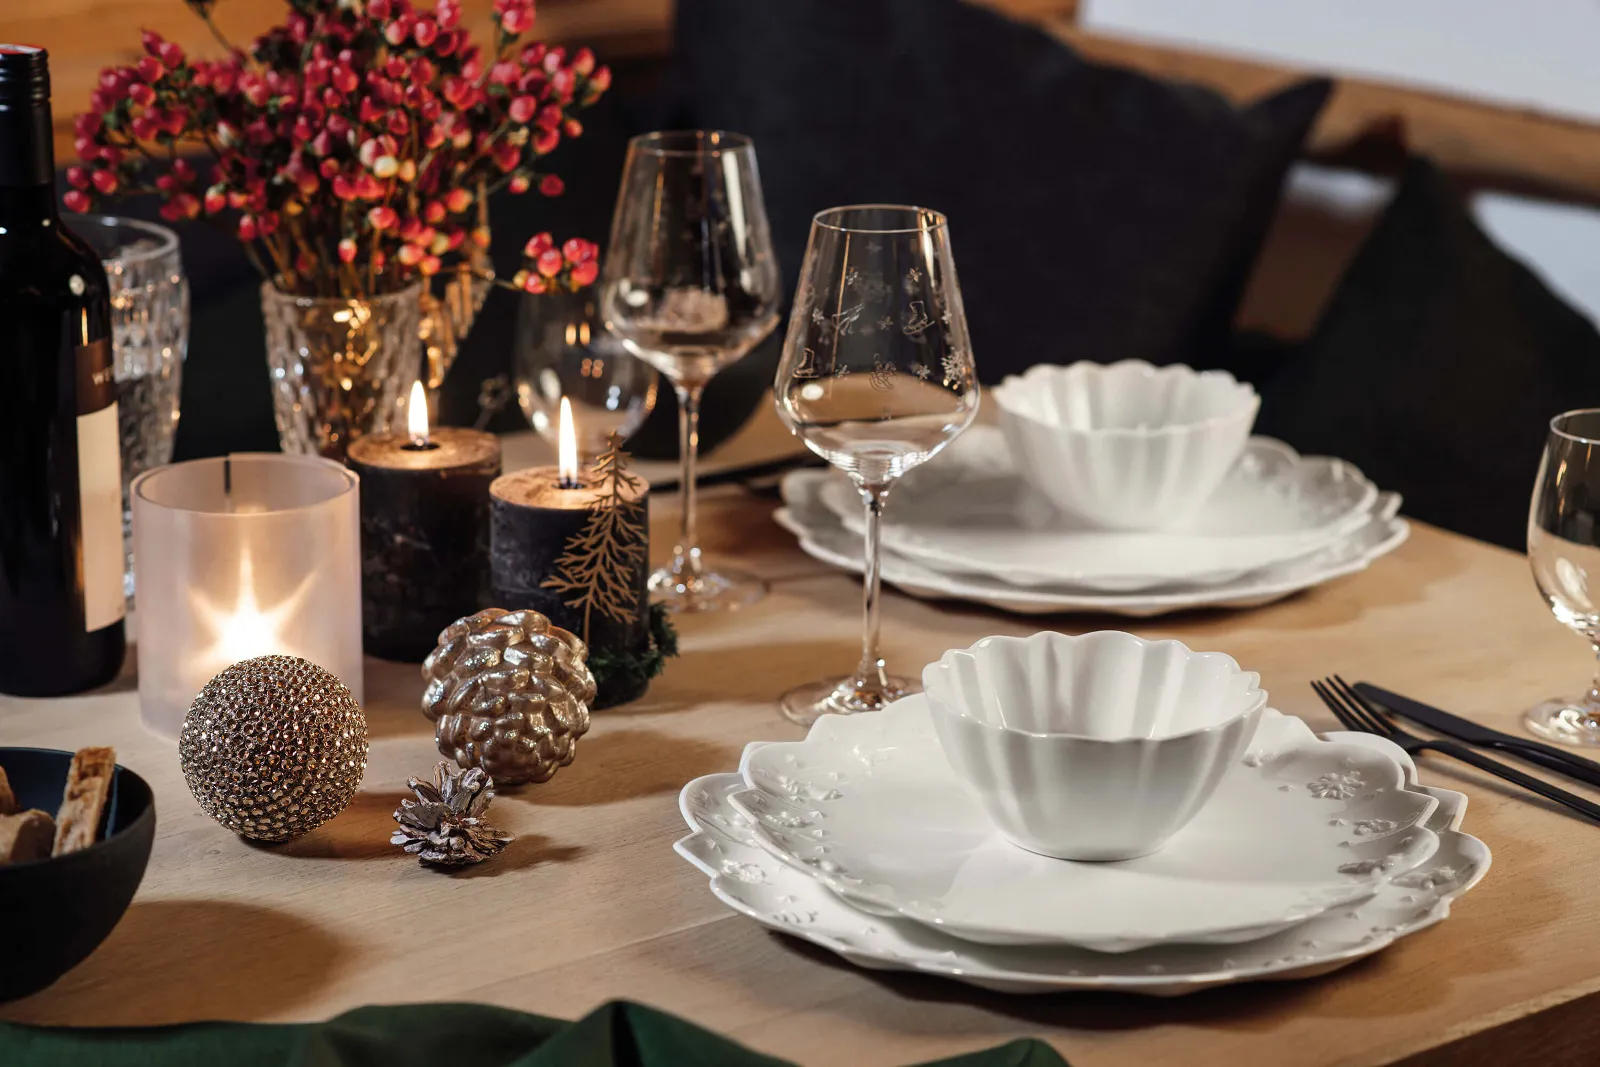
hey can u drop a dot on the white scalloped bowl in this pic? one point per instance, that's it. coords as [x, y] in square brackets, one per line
[1125, 446]
[1098, 747]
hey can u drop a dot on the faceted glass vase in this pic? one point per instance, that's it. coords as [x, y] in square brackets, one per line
[149, 339]
[341, 367]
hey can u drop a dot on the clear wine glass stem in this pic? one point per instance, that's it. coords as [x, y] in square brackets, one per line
[686, 556]
[871, 681]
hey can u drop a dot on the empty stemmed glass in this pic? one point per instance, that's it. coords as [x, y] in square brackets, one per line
[690, 285]
[1564, 551]
[876, 378]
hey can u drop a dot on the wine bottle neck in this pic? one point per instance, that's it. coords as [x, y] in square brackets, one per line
[27, 154]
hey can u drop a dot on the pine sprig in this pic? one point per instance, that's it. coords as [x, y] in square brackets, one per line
[628, 671]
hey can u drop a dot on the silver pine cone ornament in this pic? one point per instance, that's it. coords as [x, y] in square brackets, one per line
[508, 692]
[444, 825]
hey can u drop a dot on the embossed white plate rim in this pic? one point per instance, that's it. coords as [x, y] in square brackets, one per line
[833, 735]
[955, 960]
[815, 527]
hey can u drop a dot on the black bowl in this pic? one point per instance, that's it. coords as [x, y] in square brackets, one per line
[58, 910]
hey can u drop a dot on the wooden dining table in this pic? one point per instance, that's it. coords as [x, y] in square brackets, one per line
[591, 904]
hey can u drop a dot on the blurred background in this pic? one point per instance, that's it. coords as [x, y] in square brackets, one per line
[1380, 213]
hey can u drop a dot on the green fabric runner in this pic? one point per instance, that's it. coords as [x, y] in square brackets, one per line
[429, 1035]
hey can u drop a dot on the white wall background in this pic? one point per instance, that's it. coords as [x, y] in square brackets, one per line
[1539, 54]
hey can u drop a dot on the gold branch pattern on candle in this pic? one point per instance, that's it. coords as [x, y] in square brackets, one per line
[599, 562]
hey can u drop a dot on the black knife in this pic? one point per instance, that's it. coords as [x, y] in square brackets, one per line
[1442, 722]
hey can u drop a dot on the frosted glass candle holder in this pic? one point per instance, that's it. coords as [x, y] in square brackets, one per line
[241, 556]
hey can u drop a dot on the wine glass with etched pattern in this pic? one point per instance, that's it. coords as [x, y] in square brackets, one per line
[876, 377]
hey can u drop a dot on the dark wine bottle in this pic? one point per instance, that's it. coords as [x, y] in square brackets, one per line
[61, 562]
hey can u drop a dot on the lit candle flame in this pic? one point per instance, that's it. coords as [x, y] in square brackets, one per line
[567, 449]
[417, 415]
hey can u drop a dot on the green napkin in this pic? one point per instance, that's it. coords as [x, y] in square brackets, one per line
[429, 1035]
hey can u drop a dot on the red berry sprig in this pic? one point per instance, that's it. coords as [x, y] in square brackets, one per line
[354, 147]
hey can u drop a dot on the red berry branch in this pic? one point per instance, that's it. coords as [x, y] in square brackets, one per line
[357, 144]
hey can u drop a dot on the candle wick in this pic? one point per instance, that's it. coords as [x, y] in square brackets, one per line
[419, 444]
[567, 481]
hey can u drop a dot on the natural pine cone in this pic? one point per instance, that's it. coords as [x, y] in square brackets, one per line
[444, 825]
[510, 693]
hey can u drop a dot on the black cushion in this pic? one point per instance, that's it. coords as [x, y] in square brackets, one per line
[1437, 367]
[1096, 213]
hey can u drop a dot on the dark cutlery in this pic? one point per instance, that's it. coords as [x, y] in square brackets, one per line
[1442, 722]
[1355, 713]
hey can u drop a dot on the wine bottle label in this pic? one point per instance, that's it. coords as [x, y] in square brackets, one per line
[99, 487]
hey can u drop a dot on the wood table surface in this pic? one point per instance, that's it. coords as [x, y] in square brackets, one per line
[590, 903]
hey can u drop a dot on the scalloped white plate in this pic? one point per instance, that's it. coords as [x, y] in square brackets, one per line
[751, 882]
[823, 537]
[869, 807]
[969, 512]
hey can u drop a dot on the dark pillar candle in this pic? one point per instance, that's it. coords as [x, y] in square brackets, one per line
[424, 535]
[537, 534]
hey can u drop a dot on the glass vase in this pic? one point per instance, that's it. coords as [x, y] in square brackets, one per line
[341, 367]
[149, 337]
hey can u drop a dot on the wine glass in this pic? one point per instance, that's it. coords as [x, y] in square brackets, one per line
[564, 350]
[1564, 551]
[690, 285]
[876, 378]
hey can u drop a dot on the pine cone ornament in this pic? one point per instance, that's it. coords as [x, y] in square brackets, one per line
[509, 693]
[444, 825]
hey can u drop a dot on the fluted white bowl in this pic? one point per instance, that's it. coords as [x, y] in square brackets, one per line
[1099, 747]
[1125, 446]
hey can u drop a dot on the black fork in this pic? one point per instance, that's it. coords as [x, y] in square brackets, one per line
[1355, 712]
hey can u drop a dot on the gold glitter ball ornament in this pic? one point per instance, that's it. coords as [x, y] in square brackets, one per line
[273, 747]
[509, 693]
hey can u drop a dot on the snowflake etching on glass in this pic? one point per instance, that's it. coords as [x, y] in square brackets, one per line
[852, 278]
[886, 322]
[922, 370]
[957, 370]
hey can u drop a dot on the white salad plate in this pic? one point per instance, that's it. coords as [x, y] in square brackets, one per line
[749, 881]
[969, 512]
[869, 807]
[823, 537]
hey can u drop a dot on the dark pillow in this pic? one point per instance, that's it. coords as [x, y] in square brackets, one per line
[1096, 213]
[1437, 367]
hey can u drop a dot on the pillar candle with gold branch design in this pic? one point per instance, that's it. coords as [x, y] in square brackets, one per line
[575, 546]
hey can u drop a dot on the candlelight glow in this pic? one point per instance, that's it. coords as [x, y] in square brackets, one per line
[417, 415]
[243, 630]
[567, 448]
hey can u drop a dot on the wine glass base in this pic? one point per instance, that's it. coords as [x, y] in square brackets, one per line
[719, 590]
[842, 696]
[1567, 722]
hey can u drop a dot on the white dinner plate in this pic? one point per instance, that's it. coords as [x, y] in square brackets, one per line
[823, 537]
[751, 882]
[869, 807]
[969, 512]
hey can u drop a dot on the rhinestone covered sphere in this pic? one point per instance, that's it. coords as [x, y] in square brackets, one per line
[273, 747]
